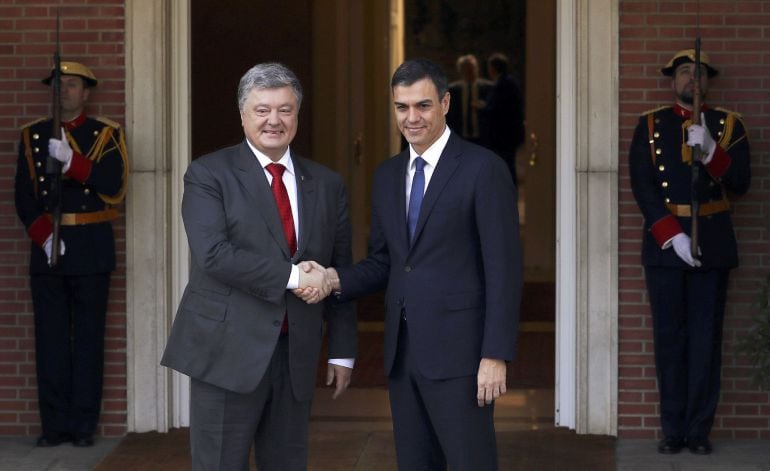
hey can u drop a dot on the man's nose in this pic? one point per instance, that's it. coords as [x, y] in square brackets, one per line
[412, 115]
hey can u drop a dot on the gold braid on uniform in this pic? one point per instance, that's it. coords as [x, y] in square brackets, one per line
[106, 142]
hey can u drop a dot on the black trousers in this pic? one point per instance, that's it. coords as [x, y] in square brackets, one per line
[224, 424]
[438, 422]
[69, 351]
[688, 309]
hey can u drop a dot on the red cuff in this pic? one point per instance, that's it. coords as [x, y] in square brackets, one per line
[665, 228]
[720, 162]
[39, 230]
[80, 168]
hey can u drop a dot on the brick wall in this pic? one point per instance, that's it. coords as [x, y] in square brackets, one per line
[92, 32]
[736, 34]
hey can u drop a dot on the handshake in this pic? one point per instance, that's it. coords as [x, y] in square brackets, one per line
[316, 282]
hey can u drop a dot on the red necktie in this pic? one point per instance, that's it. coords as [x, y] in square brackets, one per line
[284, 210]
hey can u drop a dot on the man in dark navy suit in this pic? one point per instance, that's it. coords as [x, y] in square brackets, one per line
[70, 299]
[445, 241]
[687, 293]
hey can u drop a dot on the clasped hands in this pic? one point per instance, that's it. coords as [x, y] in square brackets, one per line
[315, 282]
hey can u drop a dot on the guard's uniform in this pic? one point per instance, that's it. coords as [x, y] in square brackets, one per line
[70, 300]
[687, 303]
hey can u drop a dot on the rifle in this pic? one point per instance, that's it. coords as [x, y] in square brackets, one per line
[696, 155]
[53, 166]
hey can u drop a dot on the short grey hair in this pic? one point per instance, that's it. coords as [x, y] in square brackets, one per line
[268, 75]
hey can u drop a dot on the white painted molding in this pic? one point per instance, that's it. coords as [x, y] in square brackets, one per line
[147, 213]
[181, 138]
[587, 215]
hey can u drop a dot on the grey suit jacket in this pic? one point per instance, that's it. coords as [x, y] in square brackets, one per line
[230, 316]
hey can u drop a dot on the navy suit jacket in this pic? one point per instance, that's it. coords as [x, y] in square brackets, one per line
[459, 281]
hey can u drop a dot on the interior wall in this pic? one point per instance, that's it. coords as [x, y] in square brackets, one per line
[229, 37]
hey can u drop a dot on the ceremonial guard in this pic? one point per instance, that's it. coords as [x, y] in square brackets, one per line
[70, 294]
[687, 285]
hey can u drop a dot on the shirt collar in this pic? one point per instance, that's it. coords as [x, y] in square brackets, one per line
[683, 112]
[70, 125]
[264, 160]
[432, 153]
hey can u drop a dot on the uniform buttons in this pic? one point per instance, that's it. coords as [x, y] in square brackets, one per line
[658, 151]
[661, 167]
[719, 133]
[96, 133]
[37, 149]
[36, 136]
[664, 184]
[38, 164]
[656, 135]
[83, 207]
[44, 192]
[87, 191]
[711, 184]
[722, 121]
[668, 200]
[41, 178]
[657, 120]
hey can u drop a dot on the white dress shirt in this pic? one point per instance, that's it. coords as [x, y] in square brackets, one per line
[290, 181]
[430, 156]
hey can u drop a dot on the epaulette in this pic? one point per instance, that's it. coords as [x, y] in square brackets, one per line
[725, 110]
[655, 110]
[32, 123]
[108, 122]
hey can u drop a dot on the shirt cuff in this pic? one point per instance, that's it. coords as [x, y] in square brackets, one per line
[346, 362]
[293, 278]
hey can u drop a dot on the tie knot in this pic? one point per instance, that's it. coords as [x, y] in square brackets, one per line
[276, 170]
[419, 164]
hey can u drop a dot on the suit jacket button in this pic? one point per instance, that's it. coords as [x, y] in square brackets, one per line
[407, 269]
[401, 302]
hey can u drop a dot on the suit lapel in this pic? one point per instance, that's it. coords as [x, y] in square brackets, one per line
[252, 177]
[447, 164]
[306, 200]
[399, 177]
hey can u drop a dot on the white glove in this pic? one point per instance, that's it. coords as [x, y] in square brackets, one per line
[47, 246]
[698, 134]
[60, 150]
[681, 243]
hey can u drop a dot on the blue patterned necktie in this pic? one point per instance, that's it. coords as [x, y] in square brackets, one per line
[415, 196]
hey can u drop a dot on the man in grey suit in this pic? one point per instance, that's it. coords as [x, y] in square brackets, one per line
[253, 212]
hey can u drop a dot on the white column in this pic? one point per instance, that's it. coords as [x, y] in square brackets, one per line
[587, 267]
[158, 125]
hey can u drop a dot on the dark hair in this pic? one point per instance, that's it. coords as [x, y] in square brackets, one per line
[414, 70]
[499, 62]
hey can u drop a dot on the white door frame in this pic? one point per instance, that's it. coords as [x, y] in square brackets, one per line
[158, 128]
[587, 215]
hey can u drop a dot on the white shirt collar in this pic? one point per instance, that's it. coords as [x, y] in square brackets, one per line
[264, 160]
[432, 153]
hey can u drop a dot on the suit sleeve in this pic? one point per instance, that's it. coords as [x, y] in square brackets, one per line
[731, 162]
[205, 221]
[341, 316]
[28, 207]
[663, 224]
[106, 174]
[370, 274]
[498, 228]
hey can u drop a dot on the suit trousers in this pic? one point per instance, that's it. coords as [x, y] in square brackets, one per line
[688, 309]
[224, 424]
[69, 351]
[438, 422]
